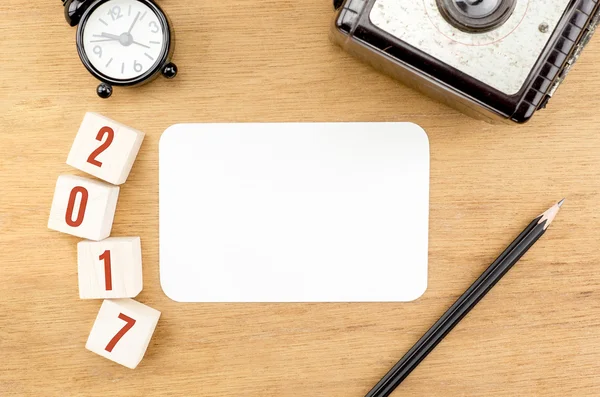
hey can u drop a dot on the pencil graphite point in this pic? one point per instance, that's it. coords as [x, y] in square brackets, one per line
[549, 215]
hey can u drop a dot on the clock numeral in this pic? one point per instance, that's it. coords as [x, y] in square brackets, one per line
[137, 66]
[115, 13]
[98, 51]
[154, 28]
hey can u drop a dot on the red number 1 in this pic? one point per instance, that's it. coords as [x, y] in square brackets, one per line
[110, 136]
[113, 342]
[107, 270]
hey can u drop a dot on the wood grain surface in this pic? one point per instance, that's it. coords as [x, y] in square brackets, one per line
[536, 334]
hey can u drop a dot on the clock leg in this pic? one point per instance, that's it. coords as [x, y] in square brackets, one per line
[104, 90]
[169, 70]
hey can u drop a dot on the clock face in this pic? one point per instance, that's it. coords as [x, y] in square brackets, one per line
[124, 39]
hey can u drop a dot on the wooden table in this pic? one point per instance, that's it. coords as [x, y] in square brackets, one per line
[536, 334]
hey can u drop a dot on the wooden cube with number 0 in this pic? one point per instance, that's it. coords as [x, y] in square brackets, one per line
[83, 207]
[122, 331]
[105, 148]
[110, 268]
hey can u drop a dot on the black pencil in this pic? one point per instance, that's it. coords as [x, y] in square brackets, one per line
[465, 303]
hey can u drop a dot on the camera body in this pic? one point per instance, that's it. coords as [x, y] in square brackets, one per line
[492, 59]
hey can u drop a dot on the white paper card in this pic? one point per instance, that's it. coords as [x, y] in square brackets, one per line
[306, 212]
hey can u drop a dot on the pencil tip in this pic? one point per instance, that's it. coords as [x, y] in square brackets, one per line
[549, 215]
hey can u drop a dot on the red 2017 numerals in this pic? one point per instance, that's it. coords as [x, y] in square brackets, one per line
[71, 206]
[107, 270]
[129, 324]
[110, 135]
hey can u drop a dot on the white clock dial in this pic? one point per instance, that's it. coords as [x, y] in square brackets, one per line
[123, 39]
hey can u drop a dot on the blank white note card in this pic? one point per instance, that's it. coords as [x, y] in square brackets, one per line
[295, 212]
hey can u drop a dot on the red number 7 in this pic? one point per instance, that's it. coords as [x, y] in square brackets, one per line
[113, 342]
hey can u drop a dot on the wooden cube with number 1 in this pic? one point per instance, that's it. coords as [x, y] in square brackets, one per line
[105, 148]
[122, 331]
[83, 207]
[110, 268]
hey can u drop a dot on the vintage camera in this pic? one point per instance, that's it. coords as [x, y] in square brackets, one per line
[492, 59]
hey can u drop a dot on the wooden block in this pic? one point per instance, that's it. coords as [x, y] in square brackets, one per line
[83, 207]
[105, 148]
[122, 331]
[110, 268]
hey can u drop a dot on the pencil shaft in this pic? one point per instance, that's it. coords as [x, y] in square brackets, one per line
[459, 309]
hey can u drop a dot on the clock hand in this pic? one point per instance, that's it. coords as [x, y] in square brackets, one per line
[134, 22]
[108, 35]
[101, 41]
[140, 44]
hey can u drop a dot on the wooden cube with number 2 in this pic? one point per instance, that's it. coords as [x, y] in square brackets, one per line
[83, 207]
[105, 148]
[110, 268]
[122, 331]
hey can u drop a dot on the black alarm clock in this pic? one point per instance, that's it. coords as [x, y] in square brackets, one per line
[122, 42]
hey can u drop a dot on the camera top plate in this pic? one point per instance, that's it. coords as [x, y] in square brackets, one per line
[502, 58]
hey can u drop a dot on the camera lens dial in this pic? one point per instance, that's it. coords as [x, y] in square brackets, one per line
[478, 8]
[476, 15]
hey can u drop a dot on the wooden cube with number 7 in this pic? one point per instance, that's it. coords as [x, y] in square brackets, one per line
[83, 207]
[105, 148]
[122, 331]
[110, 268]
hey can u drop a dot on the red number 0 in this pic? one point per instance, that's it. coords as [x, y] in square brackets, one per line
[113, 342]
[110, 136]
[84, 199]
[107, 270]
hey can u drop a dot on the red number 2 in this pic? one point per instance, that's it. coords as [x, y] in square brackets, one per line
[110, 136]
[70, 207]
[107, 270]
[129, 324]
